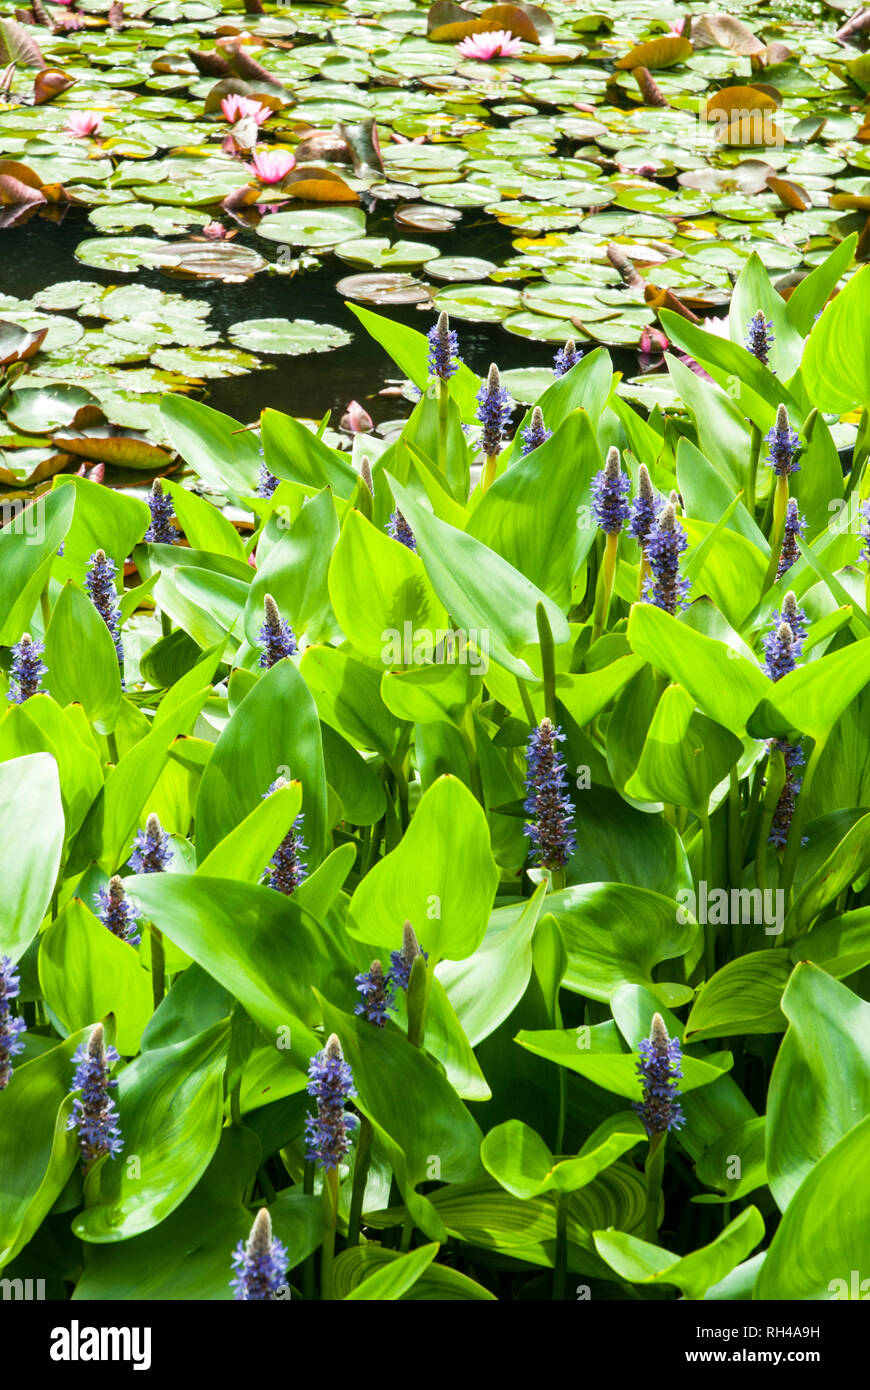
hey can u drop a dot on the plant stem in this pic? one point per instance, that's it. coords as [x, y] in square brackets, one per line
[707, 871]
[165, 624]
[527, 703]
[752, 474]
[419, 989]
[113, 747]
[654, 1169]
[443, 419]
[777, 529]
[360, 1174]
[45, 608]
[560, 1270]
[795, 834]
[330, 1219]
[735, 836]
[308, 1272]
[604, 588]
[548, 661]
[158, 964]
[236, 1103]
[488, 475]
[469, 741]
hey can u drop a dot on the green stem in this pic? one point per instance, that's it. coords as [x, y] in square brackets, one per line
[604, 588]
[548, 661]
[360, 1175]
[752, 475]
[158, 964]
[654, 1169]
[560, 1270]
[113, 747]
[165, 624]
[777, 529]
[774, 783]
[330, 1219]
[45, 608]
[488, 475]
[735, 835]
[407, 1232]
[707, 871]
[419, 989]
[308, 1270]
[443, 419]
[528, 707]
[795, 834]
[236, 1103]
[469, 741]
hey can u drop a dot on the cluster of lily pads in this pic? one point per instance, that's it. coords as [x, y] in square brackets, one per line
[441, 872]
[208, 143]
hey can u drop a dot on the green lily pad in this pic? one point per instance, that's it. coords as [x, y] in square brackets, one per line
[293, 337]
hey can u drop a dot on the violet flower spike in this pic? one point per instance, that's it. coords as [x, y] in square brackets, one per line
[377, 993]
[444, 356]
[327, 1134]
[795, 525]
[610, 489]
[535, 433]
[115, 911]
[402, 962]
[93, 1113]
[659, 1069]
[152, 848]
[793, 754]
[286, 868]
[551, 829]
[494, 410]
[161, 531]
[267, 482]
[100, 585]
[398, 528]
[782, 442]
[645, 507]
[27, 670]
[566, 358]
[781, 651]
[759, 336]
[11, 1026]
[794, 616]
[276, 635]
[665, 544]
[260, 1263]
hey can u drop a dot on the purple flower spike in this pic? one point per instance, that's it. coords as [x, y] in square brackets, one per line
[11, 1027]
[260, 1263]
[93, 1113]
[782, 442]
[610, 489]
[27, 669]
[665, 544]
[276, 635]
[795, 525]
[331, 1083]
[377, 993]
[402, 962]
[645, 508]
[536, 433]
[100, 584]
[759, 336]
[114, 910]
[494, 409]
[659, 1068]
[267, 481]
[152, 849]
[781, 651]
[161, 530]
[566, 358]
[551, 830]
[286, 867]
[444, 356]
[398, 528]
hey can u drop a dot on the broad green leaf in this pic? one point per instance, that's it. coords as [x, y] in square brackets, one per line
[522, 1163]
[441, 877]
[28, 549]
[294, 572]
[392, 1281]
[86, 973]
[292, 452]
[246, 851]
[275, 728]
[76, 627]
[836, 360]
[170, 1104]
[642, 1263]
[685, 754]
[438, 1282]
[348, 696]
[215, 445]
[820, 1085]
[819, 1251]
[613, 1070]
[32, 835]
[742, 997]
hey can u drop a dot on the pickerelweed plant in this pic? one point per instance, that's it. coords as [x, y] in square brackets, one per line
[594, 732]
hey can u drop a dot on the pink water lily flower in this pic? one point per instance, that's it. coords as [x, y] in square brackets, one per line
[83, 123]
[215, 231]
[235, 107]
[271, 166]
[495, 43]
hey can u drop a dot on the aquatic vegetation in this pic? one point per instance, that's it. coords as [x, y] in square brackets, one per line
[557, 673]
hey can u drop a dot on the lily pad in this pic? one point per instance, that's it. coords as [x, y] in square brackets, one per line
[292, 337]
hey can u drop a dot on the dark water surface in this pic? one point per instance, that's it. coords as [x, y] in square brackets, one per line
[41, 253]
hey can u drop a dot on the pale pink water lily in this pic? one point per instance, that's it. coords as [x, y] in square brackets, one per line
[215, 231]
[83, 123]
[357, 419]
[495, 43]
[235, 107]
[271, 166]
